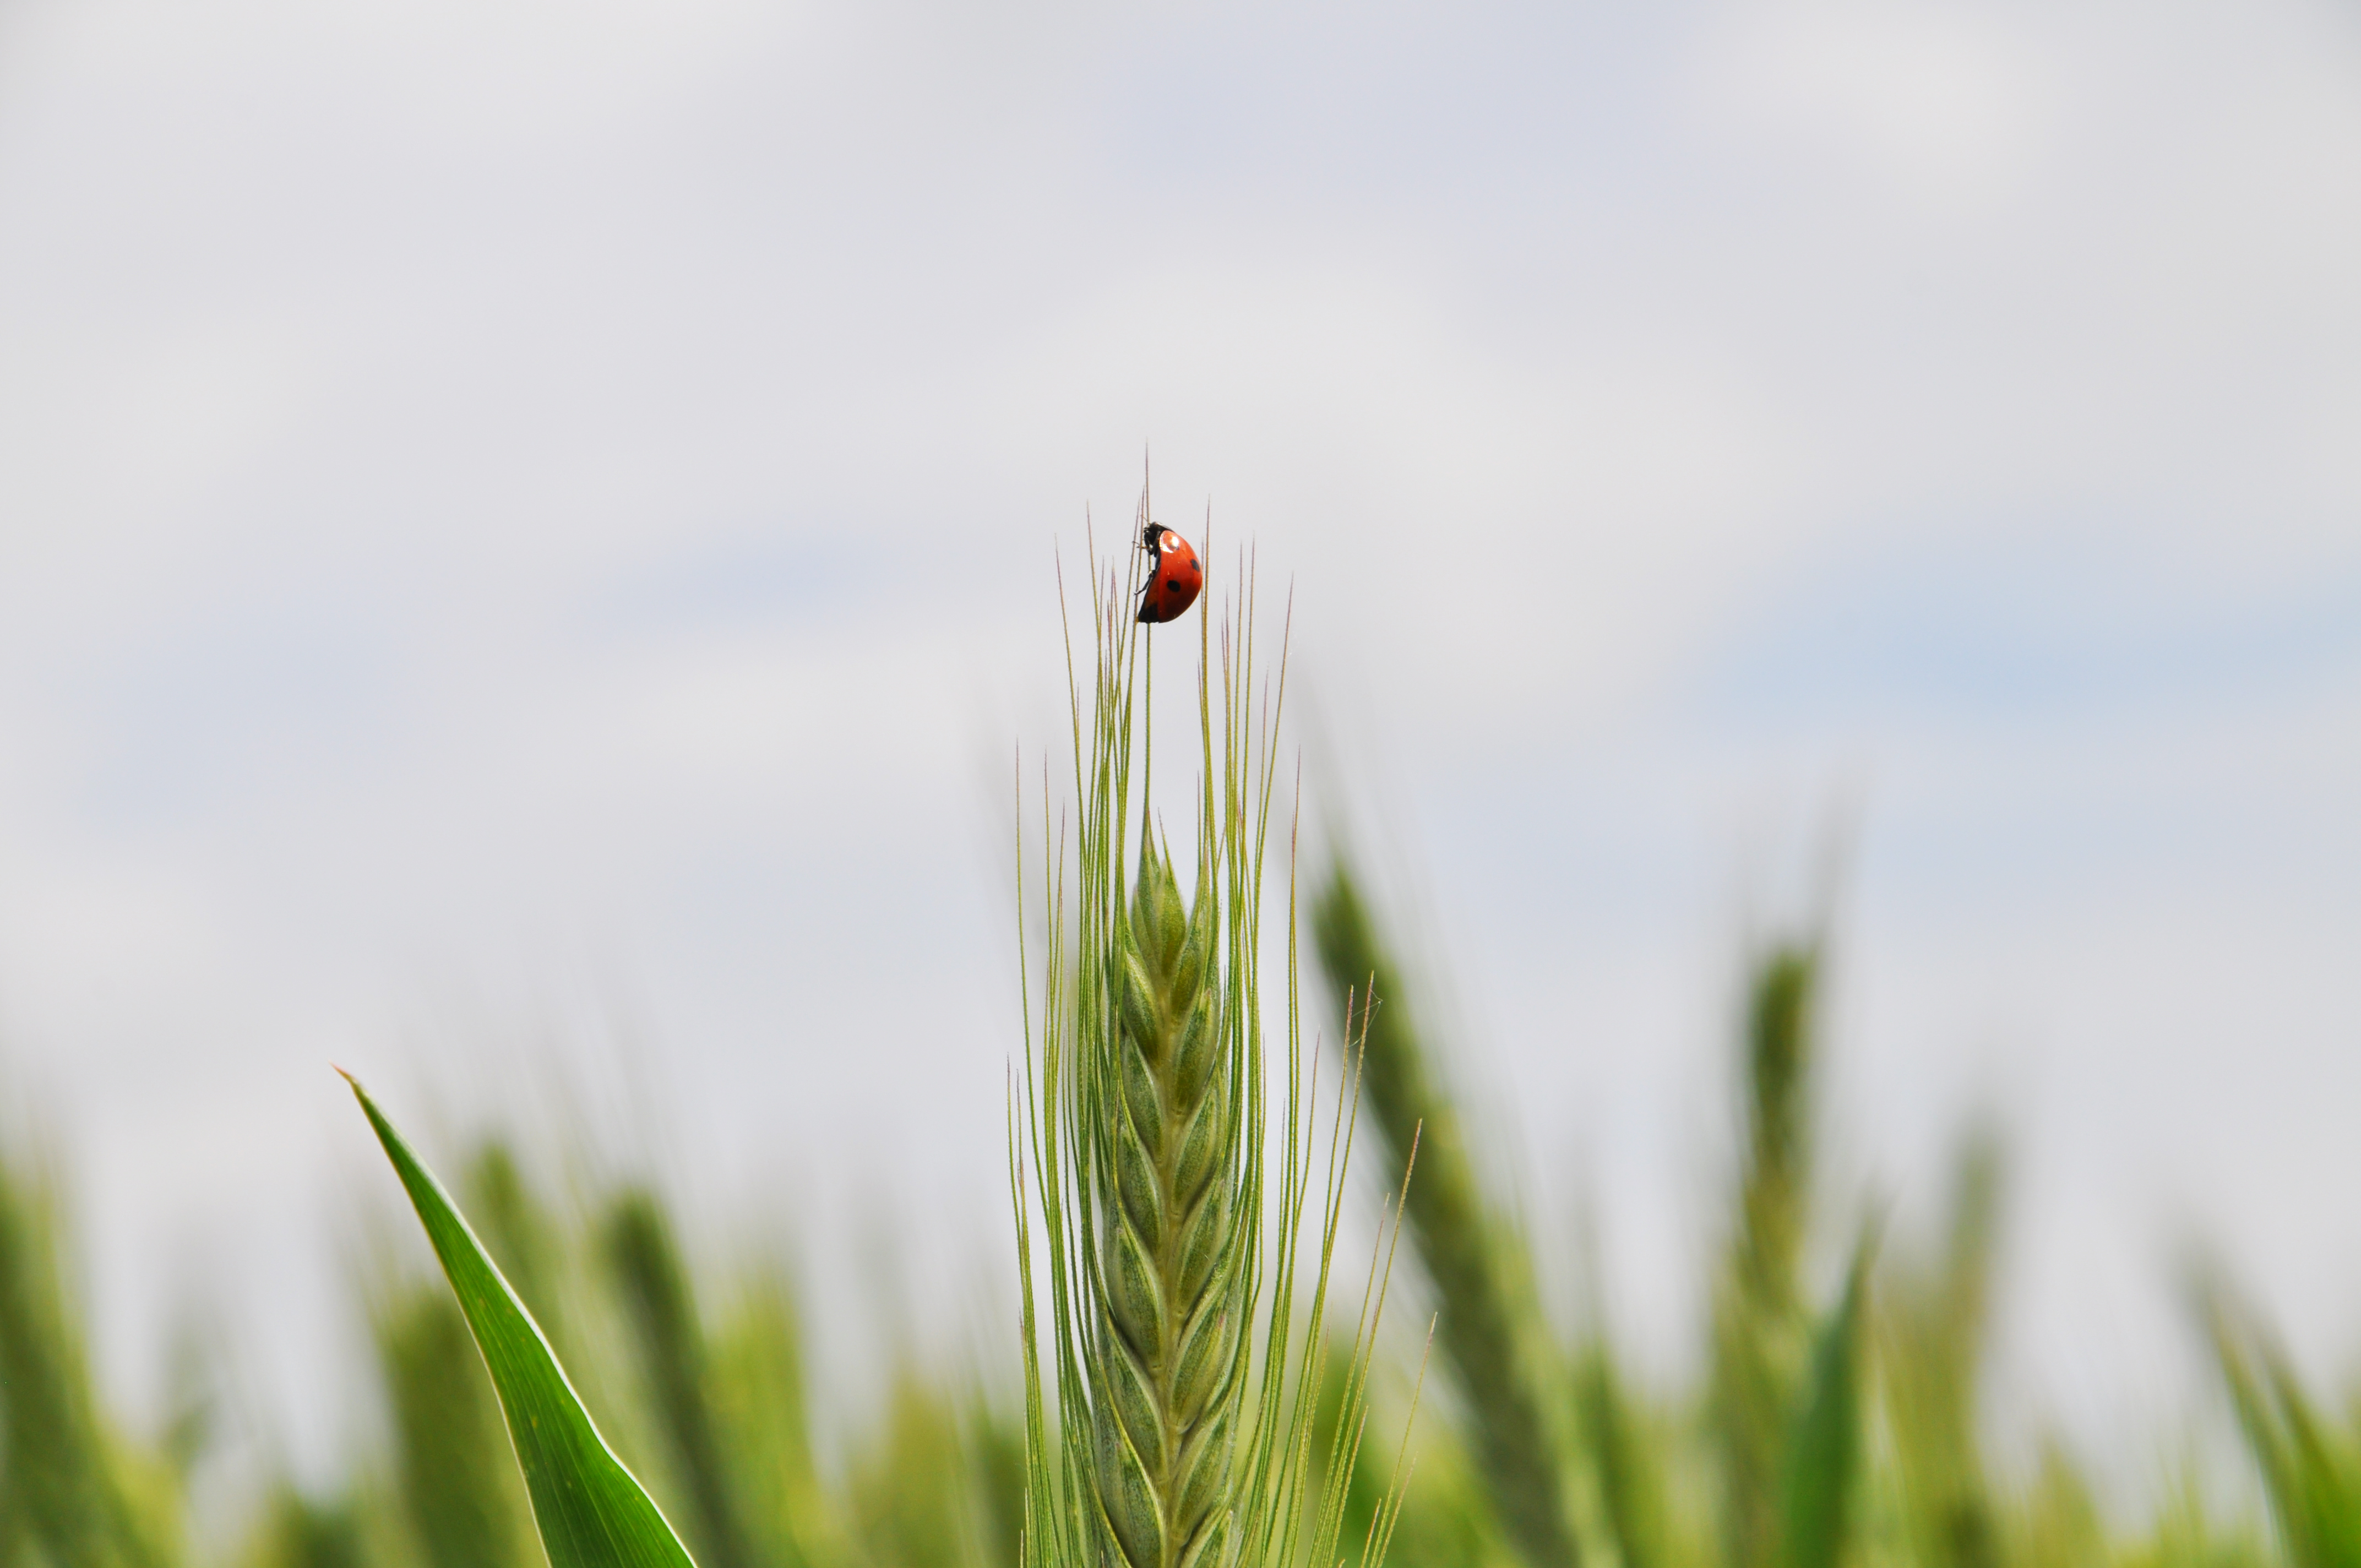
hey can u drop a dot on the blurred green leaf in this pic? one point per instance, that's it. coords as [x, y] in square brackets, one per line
[1933, 1316]
[591, 1513]
[300, 1533]
[2311, 1471]
[759, 1394]
[1624, 1457]
[458, 1489]
[645, 1258]
[2058, 1524]
[69, 1492]
[913, 1495]
[1823, 1459]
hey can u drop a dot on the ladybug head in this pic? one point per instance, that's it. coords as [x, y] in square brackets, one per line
[1151, 538]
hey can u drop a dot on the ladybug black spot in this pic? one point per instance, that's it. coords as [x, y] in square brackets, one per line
[1171, 583]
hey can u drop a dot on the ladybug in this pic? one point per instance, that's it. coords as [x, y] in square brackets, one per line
[1173, 576]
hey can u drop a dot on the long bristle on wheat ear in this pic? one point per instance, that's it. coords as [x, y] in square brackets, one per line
[1171, 1290]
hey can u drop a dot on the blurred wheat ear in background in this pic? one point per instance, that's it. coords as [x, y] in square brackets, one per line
[1564, 1451]
[1761, 1327]
[1488, 1326]
[69, 1492]
[1933, 1319]
[2312, 1470]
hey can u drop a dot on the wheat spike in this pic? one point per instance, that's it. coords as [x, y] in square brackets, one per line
[1168, 1314]
[1762, 1325]
[1171, 1296]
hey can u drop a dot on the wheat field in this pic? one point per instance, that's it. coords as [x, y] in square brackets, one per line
[1192, 1388]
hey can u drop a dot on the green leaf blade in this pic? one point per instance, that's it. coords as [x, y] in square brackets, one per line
[590, 1511]
[1824, 1449]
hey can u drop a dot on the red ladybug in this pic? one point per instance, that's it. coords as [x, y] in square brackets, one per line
[1173, 576]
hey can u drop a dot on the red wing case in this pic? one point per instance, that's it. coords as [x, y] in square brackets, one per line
[1173, 583]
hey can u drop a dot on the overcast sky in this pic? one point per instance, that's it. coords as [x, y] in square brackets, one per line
[526, 545]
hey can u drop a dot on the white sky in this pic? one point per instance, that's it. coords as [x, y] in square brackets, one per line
[526, 544]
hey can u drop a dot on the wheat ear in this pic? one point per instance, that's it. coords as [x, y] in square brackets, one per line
[1172, 1296]
[1168, 1318]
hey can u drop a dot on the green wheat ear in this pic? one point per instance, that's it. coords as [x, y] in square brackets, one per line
[1171, 1384]
[1172, 1293]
